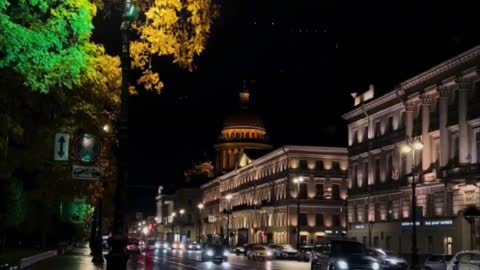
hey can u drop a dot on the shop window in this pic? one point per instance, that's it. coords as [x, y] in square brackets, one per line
[303, 239]
[448, 245]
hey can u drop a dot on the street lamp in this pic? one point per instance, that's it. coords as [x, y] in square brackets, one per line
[228, 197]
[145, 230]
[200, 208]
[411, 147]
[182, 211]
[298, 180]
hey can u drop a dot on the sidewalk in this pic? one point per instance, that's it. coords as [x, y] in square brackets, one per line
[77, 259]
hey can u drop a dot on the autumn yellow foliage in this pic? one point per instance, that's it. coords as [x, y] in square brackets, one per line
[177, 28]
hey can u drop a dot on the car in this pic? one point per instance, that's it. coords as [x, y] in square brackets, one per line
[342, 255]
[215, 253]
[437, 262]
[133, 248]
[161, 245]
[304, 253]
[239, 249]
[193, 246]
[387, 260]
[284, 251]
[259, 252]
[465, 260]
[178, 245]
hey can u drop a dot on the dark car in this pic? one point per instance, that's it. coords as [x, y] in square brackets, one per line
[387, 260]
[304, 253]
[243, 249]
[437, 262]
[133, 248]
[194, 246]
[342, 255]
[215, 253]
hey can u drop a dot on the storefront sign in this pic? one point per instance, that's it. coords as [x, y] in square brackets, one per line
[407, 224]
[359, 227]
[211, 219]
[443, 222]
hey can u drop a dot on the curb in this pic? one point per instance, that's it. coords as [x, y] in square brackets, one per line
[26, 262]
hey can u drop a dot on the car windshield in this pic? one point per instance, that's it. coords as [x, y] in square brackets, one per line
[347, 248]
[259, 248]
[438, 258]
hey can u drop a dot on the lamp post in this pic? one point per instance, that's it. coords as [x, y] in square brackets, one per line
[173, 233]
[182, 211]
[117, 257]
[412, 146]
[298, 180]
[228, 197]
[200, 208]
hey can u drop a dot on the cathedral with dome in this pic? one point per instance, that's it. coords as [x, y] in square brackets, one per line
[243, 135]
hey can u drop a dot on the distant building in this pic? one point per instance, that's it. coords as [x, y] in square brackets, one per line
[441, 106]
[241, 131]
[257, 202]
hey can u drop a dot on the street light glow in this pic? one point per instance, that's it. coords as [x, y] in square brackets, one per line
[406, 149]
[174, 214]
[145, 230]
[418, 145]
[106, 128]
[298, 180]
[229, 197]
[200, 206]
[182, 211]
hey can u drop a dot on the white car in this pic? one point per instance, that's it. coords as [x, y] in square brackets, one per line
[437, 262]
[465, 260]
[259, 252]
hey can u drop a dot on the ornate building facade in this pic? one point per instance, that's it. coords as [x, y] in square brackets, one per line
[440, 107]
[257, 202]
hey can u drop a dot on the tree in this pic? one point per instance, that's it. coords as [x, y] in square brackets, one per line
[13, 206]
[47, 41]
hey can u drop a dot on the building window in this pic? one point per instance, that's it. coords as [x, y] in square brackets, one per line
[365, 173]
[354, 176]
[303, 239]
[335, 220]
[377, 212]
[355, 136]
[364, 240]
[319, 191]
[366, 213]
[430, 244]
[389, 123]
[319, 165]
[335, 191]
[303, 191]
[303, 165]
[390, 211]
[319, 220]
[477, 142]
[455, 151]
[377, 129]
[449, 203]
[335, 165]
[377, 171]
[448, 245]
[430, 205]
[403, 160]
[189, 219]
[303, 219]
[389, 167]
[376, 242]
[365, 133]
[189, 234]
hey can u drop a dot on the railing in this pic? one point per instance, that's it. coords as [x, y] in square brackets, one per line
[388, 138]
[460, 171]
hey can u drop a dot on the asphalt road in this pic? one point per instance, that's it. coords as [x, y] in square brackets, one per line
[167, 260]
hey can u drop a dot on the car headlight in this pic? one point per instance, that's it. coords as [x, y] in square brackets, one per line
[209, 252]
[226, 253]
[391, 261]
[174, 246]
[165, 245]
[182, 246]
[375, 266]
[269, 253]
[190, 246]
[343, 265]
[157, 245]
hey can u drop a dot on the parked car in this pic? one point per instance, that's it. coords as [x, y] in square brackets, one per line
[284, 251]
[259, 252]
[465, 260]
[243, 249]
[387, 260]
[304, 253]
[194, 246]
[215, 253]
[437, 262]
[342, 255]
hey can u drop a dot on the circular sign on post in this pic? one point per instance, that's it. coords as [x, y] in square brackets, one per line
[86, 148]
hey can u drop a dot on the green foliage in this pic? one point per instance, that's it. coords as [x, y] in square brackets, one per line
[13, 207]
[47, 41]
[76, 212]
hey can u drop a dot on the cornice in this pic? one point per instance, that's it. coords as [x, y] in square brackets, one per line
[444, 67]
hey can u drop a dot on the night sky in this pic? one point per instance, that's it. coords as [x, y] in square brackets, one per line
[301, 59]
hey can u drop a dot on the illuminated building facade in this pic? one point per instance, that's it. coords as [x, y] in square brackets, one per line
[257, 201]
[440, 107]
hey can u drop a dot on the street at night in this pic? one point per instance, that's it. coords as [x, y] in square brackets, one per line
[239, 134]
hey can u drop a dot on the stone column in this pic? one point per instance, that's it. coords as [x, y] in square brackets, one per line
[463, 87]
[409, 110]
[427, 150]
[443, 121]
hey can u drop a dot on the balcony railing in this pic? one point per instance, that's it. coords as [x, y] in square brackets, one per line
[388, 138]
[456, 172]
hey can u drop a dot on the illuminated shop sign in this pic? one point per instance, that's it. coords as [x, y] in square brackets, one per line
[444, 222]
[359, 227]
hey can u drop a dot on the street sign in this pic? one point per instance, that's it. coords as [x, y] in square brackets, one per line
[86, 172]
[62, 141]
[86, 148]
